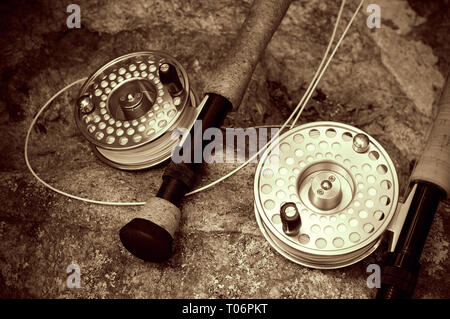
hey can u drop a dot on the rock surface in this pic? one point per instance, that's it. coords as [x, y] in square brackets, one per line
[383, 81]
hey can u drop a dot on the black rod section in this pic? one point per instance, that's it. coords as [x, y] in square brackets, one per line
[401, 267]
[179, 178]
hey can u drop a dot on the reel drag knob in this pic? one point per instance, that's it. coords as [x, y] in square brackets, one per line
[290, 218]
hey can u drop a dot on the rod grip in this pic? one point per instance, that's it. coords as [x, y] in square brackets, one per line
[150, 235]
[434, 164]
[231, 78]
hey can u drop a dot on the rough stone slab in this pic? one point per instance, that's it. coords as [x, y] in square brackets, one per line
[219, 250]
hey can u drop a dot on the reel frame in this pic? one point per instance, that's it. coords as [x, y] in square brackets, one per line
[130, 85]
[331, 237]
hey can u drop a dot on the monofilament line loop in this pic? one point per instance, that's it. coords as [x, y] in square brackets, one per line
[297, 112]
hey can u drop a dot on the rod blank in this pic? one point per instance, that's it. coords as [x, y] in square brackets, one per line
[231, 78]
[150, 235]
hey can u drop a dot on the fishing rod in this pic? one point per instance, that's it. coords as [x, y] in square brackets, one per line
[429, 183]
[149, 235]
[325, 193]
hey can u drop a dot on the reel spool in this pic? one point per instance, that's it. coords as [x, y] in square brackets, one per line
[324, 194]
[129, 107]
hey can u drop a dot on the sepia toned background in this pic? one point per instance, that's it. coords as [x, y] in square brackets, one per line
[384, 81]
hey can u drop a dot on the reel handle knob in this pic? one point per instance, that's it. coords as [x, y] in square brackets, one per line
[169, 77]
[150, 235]
[290, 218]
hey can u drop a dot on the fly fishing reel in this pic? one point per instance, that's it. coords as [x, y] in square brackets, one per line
[129, 107]
[324, 193]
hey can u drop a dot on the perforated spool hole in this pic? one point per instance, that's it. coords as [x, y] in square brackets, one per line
[285, 147]
[314, 133]
[315, 228]
[321, 243]
[363, 214]
[336, 146]
[304, 239]
[381, 169]
[298, 138]
[329, 230]
[347, 136]
[323, 145]
[330, 133]
[280, 182]
[385, 184]
[269, 204]
[385, 200]
[268, 173]
[281, 194]
[378, 215]
[276, 219]
[374, 155]
[338, 242]
[353, 222]
[266, 188]
[345, 232]
[368, 228]
[355, 237]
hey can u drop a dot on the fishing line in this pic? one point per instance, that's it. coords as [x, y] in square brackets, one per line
[301, 105]
[302, 102]
[27, 138]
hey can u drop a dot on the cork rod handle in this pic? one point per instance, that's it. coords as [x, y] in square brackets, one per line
[434, 164]
[151, 233]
